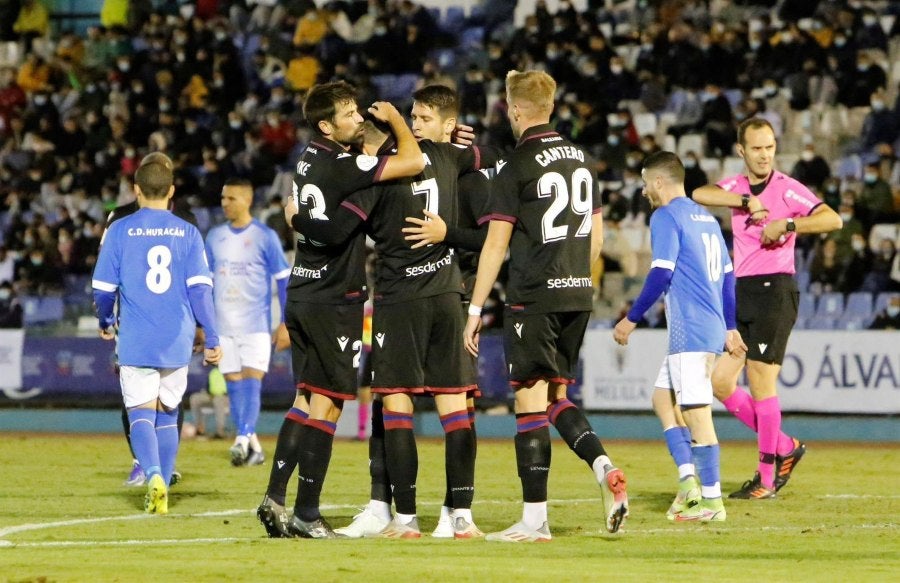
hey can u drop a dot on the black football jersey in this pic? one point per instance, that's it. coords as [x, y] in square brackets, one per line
[326, 174]
[401, 272]
[548, 189]
[468, 236]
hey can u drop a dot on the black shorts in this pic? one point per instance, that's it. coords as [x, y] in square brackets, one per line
[417, 347]
[766, 313]
[543, 346]
[326, 344]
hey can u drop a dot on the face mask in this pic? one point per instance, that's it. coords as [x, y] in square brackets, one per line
[180, 57]
[612, 140]
[552, 55]
[235, 125]
[840, 42]
[787, 38]
[647, 46]
[877, 104]
[807, 155]
[892, 311]
[218, 83]
[5, 293]
[37, 261]
[862, 68]
[565, 115]
[129, 153]
[589, 71]
[40, 99]
[380, 31]
[846, 216]
[616, 69]
[273, 121]
[856, 243]
[870, 178]
[755, 44]
[831, 188]
[91, 88]
[690, 163]
[221, 36]
[870, 21]
[124, 67]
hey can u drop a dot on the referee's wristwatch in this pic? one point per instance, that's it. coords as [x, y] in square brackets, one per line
[745, 201]
[791, 226]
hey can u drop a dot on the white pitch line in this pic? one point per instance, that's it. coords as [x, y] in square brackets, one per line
[4, 532]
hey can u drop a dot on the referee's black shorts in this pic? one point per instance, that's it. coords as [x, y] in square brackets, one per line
[766, 313]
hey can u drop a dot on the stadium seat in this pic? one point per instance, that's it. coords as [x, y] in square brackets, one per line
[712, 167]
[645, 123]
[472, 38]
[802, 277]
[882, 231]
[820, 323]
[830, 305]
[852, 323]
[691, 142]
[732, 165]
[807, 306]
[454, 19]
[38, 310]
[849, 167]
[859, 304]
[882, 301]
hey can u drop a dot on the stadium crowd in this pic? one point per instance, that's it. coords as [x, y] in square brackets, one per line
[219, 86]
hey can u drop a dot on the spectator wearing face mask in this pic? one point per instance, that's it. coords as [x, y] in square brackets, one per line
[880, 125]
[844, 236]
[858, 87]
[870, 35]
[811, 169]
[875, 203]
[826, 269]
[857, 265]
[694, 176]
[889, 318]
[879, 277]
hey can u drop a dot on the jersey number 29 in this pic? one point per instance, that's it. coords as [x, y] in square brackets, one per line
[554, 184]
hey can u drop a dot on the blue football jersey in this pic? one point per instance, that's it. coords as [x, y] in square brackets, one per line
[686, 239]
[243, 263]
[151, 257]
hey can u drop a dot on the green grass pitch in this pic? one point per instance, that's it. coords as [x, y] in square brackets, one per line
[65, 516]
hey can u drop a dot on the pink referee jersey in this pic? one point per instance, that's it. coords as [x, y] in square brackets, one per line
[784, 197]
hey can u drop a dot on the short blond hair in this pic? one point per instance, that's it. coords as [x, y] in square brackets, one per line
[533, 87]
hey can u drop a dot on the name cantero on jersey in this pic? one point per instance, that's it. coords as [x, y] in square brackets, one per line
[561, 282]
[557, 153]
[161, 232]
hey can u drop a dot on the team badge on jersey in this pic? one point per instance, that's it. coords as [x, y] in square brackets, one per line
[366, 163]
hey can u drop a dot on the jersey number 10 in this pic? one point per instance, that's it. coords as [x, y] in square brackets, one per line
[713, 257]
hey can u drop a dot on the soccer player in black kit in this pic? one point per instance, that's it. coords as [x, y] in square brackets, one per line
[416, 326]
[546, 210]
[326, 292]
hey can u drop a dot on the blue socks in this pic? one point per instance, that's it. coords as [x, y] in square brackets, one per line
[167, 439]
[678, 439]
[706, 458]
[144, 440]
[252, 389]
[237, 396]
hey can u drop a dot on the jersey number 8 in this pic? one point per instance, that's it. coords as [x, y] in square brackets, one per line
[159, 278]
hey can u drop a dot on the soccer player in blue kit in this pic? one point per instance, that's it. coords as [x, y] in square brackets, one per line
[244, 256]
[690, 264]
[154, 264]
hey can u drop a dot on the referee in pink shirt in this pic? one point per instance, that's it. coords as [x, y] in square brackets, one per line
[769, 209]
